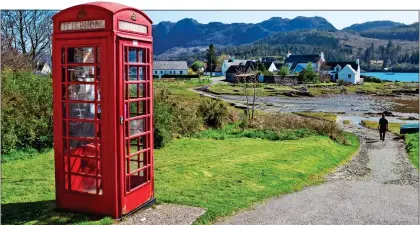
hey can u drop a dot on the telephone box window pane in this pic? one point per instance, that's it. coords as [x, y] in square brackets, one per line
[81, 73]
[136, 90]
[137, 109]
[63, 52]
[132, 73]
[138, 161]
[65, 150]
[136, 144]
[81, 110]
[137, 126]
[64, 128]
[137, 180]
[85, 92]
[64, 110]
[83, 147]
[83, 184]
[99, 112]
[141, 56]
[98, 73]
[98, 54]
[141, 73]
[80, 55]
[132, 55]
[83, 165]
[81, 129]
[63, 92]
[63, 74]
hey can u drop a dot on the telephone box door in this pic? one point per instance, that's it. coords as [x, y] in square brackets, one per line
[135, 104]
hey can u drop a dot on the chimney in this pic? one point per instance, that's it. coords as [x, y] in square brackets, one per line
[288, 54]
[321, 56]
[357, 61]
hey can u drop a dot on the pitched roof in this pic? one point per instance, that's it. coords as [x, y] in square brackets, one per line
[170, 65]
[302, 59]
[267, 64]
[251, 64]
[332, 65]
[238, 69]
[278, 65]
[237, 62]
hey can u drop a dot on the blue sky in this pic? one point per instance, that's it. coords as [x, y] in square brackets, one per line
[339, 19]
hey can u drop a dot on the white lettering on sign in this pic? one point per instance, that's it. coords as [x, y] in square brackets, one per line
[122, 25]
[83, 25]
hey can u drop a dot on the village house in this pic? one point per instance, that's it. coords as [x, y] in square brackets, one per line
[42, 68]
[297, 63]
[231, 62]
[348, 72]
[161, 68]
[217, 71]
[235, 70]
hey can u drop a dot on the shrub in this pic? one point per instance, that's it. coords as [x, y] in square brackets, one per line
[372, 79]
[26, 117]
[163, 123]
[214, 112]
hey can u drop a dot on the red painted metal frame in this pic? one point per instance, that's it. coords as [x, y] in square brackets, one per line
[111, 162]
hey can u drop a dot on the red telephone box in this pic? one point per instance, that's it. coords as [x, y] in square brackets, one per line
[103, 109]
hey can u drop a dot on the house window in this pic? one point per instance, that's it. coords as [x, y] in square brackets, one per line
[174, 72]
[161, 72]
[170, 72]
[180, 72]
[349, 75]
[155, 71]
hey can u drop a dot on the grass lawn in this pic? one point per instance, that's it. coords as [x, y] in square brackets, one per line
[393, 127]
[179, 88]
[319, 115]
[223, 176]
[412, 145]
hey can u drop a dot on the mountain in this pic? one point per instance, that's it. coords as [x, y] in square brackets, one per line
[403, 32]
[189, 33]
[359, 27]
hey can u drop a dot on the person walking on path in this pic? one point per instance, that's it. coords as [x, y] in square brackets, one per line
[382, 127]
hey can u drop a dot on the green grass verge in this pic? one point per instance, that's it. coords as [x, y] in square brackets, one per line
[230, 175]
[412, 145]
[223, 176]
[319, 115]
[393, 127]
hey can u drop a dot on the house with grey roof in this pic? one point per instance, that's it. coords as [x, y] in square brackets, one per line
[161, 68]
[297, 63]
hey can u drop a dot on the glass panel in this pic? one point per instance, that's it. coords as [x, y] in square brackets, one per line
[64, 110]
[85, 92]
[137, 180]
[98, 73]
[82, 110]
[138, 161]
[65, 150]
[81, 73]
[83, 148]
[80, 55]
[137, 109]
[141, 73]
[132, 55]
[63, 74]
[83, 184]
[84, 166]
[136, 144]
[63, 92]
[136, 90]
[137, 126]
[132, 73]
[140, 55]
[99, 112]
[64, 128]
[63, 53]
[81, 129]
[98, 54]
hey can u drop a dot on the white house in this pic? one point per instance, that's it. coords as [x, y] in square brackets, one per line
[349, 73]
[270, 66]
[42, 68]
[297, 63]
[161, 68]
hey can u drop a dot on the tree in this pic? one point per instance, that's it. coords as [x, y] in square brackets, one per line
[197, 65]
[222, 58]
[308, 74]
[27, 31]
[211, 58]
[284, 71]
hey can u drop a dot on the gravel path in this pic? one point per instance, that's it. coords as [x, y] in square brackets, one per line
[378, 186]
[165, 214]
